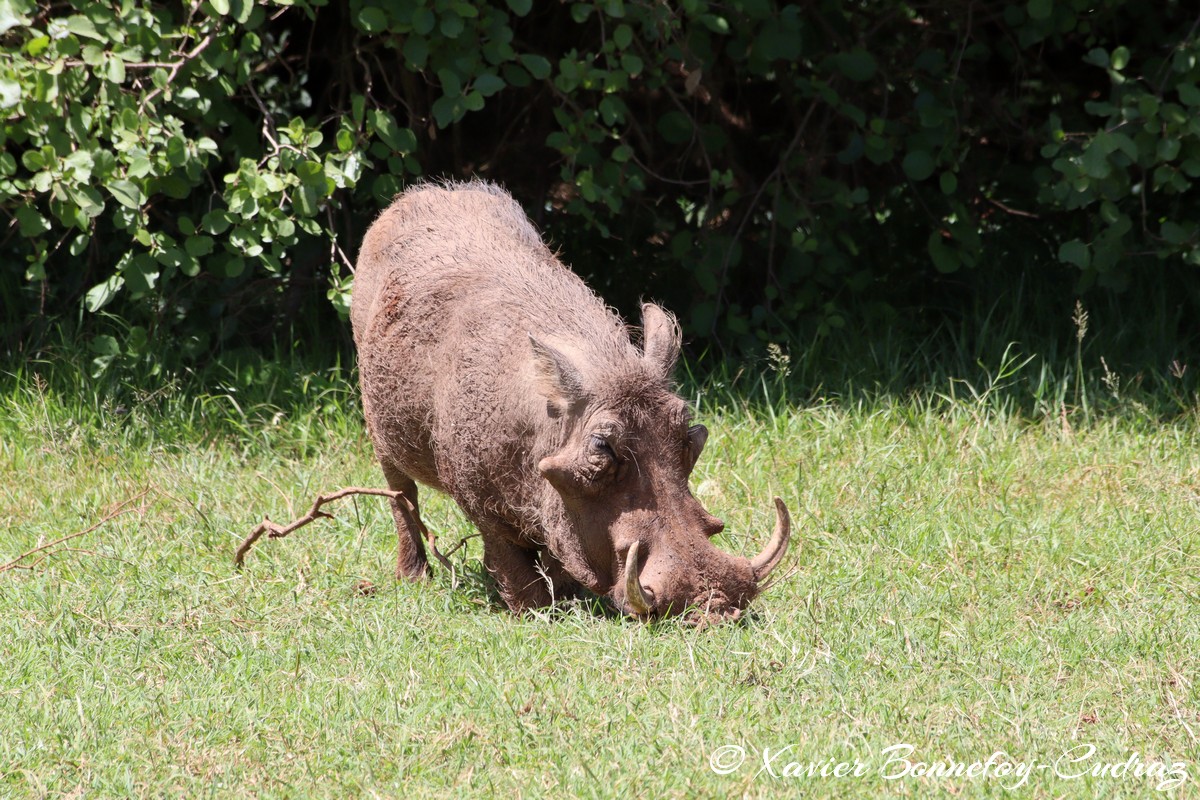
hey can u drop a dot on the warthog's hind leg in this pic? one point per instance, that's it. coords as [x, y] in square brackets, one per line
[411, 562]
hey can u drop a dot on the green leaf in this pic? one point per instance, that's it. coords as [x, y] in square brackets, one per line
[30, 222]
[234, 267]
[614, 8]
[611, 109]
[416, 50]
[198, 246]
[139, 166]
[11, 17]
[102, 294]
[1174, 233]
[1040, 9]
[372, 19]
[948, 182]
[1189, 94]
[444, 112]
[473, 101]
[89, 200]
[423, 21]
[33, 160]
[918, 165]
[311, 173]
[105, 345]
[241, 10]
[1097, 57]
[1120, 58]
[215, 222]
[114, 70]
[1074, 252]
[126, 193]
[857, 65]
[878, 149]
[10, 93]
[1105, 142]
[451, 83]
[190, 266]
[93, 55]
[137, 339]
[141, 272]
[520, 7]
[1095, 162]
[82, 26]
[221, 7]
[623, 36]
[488, 84]
[1167, 148]
[400, 140]
[35, 46]
[538, 66]
[943, 256]
[452, 25]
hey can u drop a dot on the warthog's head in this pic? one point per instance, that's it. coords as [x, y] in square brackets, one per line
[632, 529]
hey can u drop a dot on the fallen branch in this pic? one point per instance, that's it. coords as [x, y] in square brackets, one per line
[276, 531]
[121, 509]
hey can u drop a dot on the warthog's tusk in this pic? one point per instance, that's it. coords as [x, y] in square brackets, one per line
[634, 597]
[773, 553]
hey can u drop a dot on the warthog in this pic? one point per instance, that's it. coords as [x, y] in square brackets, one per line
[491, 372]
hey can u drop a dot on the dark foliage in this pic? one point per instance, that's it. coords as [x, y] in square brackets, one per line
[177, 179]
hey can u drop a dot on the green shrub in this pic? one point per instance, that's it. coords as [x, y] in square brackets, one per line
[194, 175]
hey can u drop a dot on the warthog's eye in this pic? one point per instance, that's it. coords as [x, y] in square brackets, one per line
[601, 445]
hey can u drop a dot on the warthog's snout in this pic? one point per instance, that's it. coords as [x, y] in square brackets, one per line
[646, 600]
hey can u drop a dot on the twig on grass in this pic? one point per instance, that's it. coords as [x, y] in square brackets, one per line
[122, 508]
[277, 531]
[274, 530]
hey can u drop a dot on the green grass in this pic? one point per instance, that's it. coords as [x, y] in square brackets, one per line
[979, 567]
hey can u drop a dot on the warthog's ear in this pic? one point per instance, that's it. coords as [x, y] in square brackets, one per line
[558, 378]
[660, 338]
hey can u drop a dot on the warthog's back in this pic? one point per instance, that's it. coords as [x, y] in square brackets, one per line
[450, 283]
[441, 253]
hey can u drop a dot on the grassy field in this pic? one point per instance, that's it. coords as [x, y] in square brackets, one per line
[995, 572]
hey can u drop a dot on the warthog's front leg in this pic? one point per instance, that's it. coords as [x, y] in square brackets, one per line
[514, 568]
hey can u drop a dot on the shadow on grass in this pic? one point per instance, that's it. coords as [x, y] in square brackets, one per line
[1031, 352]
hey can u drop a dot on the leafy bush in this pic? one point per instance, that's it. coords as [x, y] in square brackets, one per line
[198, 175]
